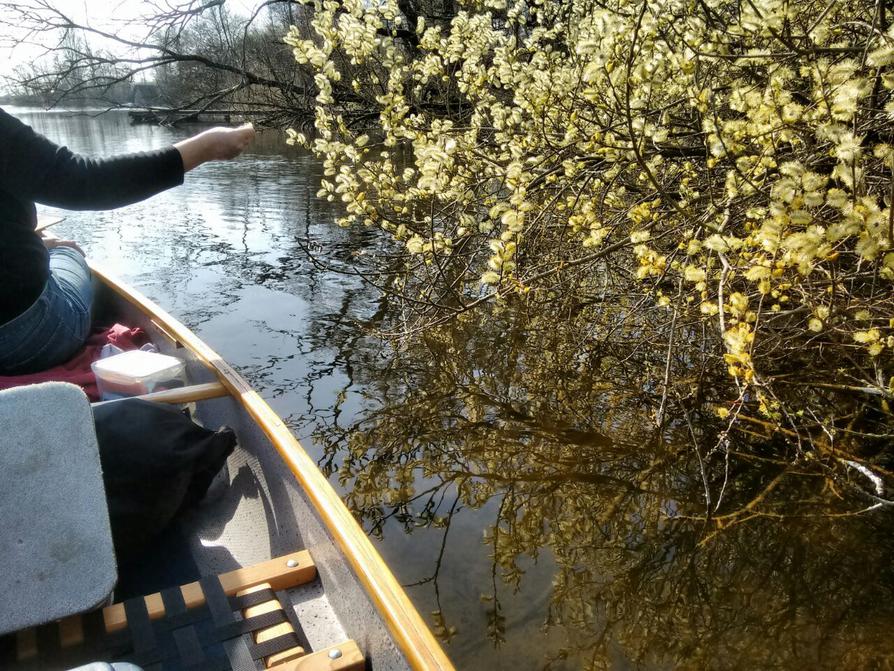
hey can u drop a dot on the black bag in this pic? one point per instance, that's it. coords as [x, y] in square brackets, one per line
[156, 462]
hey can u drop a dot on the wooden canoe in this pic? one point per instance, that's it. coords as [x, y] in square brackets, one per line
[278, 504]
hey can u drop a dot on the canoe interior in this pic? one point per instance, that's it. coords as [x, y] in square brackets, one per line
[257, 513]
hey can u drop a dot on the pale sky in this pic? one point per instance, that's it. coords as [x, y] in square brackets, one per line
[120, 17]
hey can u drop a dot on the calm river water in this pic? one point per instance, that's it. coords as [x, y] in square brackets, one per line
[495, 482]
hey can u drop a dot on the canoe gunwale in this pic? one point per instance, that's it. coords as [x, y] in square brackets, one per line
[410, 633]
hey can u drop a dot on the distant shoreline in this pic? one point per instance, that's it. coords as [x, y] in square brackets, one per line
[31, 108]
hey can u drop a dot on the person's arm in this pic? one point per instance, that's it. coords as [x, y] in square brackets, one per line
[34, 168]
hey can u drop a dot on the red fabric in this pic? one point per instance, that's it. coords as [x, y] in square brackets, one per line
[77, 369]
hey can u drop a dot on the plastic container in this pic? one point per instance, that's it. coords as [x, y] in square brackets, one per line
[136, 372]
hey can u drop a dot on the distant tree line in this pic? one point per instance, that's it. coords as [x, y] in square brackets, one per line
[192, 55]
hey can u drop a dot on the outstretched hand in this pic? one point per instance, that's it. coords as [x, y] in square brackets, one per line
[228, 143]
[215, 144]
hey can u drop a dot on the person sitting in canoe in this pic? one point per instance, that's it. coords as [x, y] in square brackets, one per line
[45, 289]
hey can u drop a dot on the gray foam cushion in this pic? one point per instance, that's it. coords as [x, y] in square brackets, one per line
[56, 553]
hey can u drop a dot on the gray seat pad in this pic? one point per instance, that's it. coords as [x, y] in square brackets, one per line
[56, 553]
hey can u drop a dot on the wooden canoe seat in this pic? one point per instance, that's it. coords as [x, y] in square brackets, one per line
[190, 394]
[241, 620]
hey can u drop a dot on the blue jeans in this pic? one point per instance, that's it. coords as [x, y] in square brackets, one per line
[56, 326]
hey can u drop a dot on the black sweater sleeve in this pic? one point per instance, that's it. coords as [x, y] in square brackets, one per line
[35, 169]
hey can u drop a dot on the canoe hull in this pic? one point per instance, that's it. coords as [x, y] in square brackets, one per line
[278, 501]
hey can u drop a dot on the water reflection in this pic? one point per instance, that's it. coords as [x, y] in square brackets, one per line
[552, 435]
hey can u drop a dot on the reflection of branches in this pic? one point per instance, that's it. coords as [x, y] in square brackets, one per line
[517, 407]
[441, 628]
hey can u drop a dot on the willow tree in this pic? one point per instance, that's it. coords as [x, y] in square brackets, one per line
[726, 163]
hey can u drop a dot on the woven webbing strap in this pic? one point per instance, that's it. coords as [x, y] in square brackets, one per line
[214, 637]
